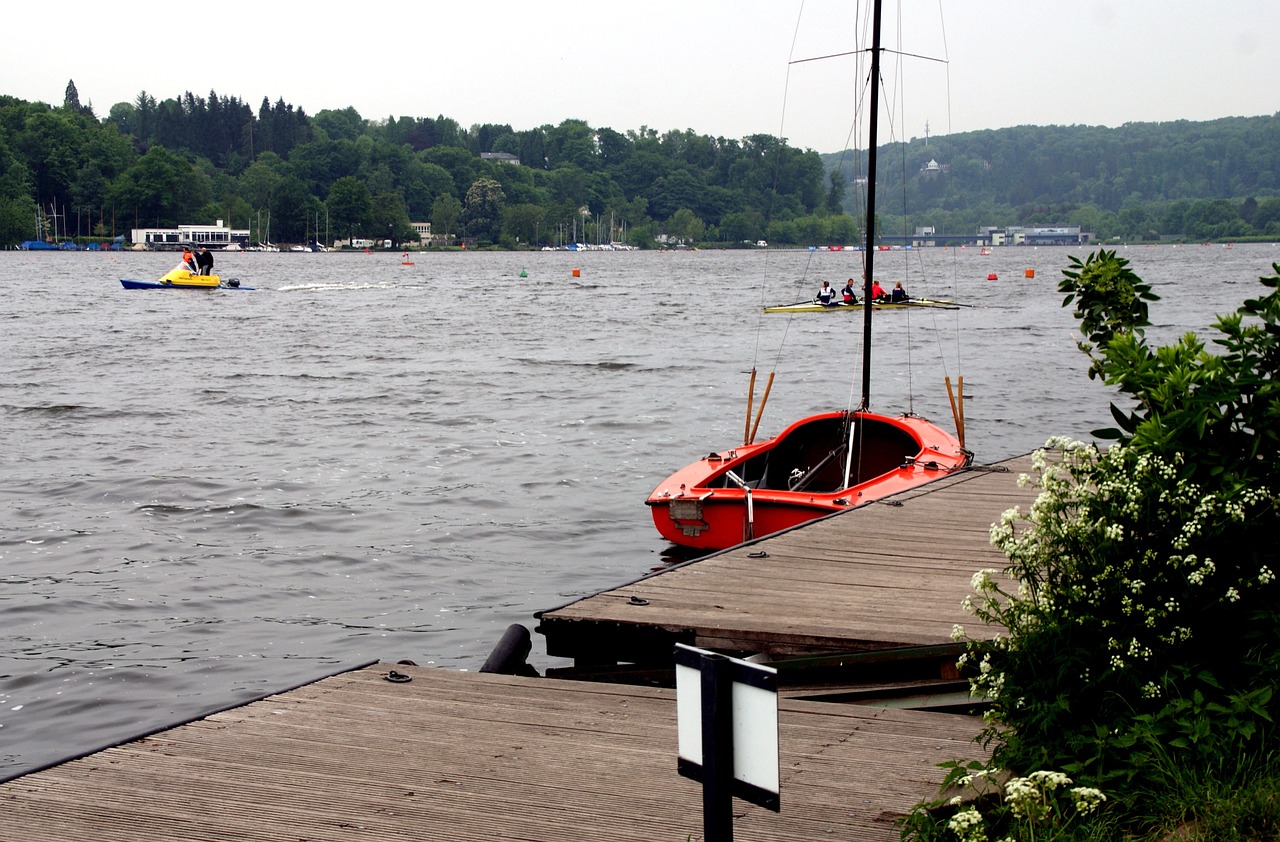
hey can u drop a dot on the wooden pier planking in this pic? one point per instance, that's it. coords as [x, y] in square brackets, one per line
[465, 756]
[886, 575]
[468, 756]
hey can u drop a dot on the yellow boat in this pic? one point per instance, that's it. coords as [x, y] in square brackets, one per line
[183, 279]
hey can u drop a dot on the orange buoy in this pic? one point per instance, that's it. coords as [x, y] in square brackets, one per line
[1031, 273]
[992, 277]
[577, 273]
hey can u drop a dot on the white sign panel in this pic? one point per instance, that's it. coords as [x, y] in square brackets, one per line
[754, 707]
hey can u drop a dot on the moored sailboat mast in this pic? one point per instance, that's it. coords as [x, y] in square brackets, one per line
[870, 248]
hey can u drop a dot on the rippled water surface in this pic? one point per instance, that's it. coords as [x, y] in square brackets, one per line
[209, 496]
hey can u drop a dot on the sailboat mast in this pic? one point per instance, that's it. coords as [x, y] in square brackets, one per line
[869, 278]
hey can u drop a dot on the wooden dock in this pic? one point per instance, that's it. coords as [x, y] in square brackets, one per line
[449, 755]
[891, 575]
[469, 756]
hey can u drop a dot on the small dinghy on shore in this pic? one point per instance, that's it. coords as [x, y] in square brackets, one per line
[184, 279]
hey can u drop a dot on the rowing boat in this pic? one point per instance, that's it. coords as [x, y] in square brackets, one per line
[815, 307]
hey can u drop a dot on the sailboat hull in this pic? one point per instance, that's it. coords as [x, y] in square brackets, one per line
[748, 492]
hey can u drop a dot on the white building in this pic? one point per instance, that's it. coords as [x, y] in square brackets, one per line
[215, 236]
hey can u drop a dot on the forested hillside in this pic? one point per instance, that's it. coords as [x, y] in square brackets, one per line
[337, 174]
[1200, 181]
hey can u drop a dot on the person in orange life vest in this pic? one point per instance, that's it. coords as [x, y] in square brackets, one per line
[188, 260]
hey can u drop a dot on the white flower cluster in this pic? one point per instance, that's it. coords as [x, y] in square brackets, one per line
[1201, 573]
[1032, 799]
[1087, 799]
[1029, 797]
[967, 826]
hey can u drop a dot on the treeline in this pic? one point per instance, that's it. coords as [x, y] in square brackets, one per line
[293, 177]
[1196, 181]
[337, 175]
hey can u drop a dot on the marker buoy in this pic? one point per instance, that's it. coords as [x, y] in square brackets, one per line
[577, 273]
[1031, 273]
[993, 277]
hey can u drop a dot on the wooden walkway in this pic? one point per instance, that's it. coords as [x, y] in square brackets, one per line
[468, 756]
[463, 756]
[889, 575]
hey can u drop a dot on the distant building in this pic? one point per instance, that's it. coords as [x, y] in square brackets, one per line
[1060, 235]
[215, 236]
[500, 157]
[990, 235]
[424, 232]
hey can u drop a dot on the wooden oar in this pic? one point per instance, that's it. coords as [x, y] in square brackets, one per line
[760, 412]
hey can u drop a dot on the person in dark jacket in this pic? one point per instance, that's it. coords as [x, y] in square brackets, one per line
[205, 261]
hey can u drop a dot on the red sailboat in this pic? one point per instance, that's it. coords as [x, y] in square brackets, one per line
[821, 464]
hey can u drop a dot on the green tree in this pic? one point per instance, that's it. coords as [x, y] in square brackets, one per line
[344, 124]
[260, 181]
[1212, 219]
[482, 212]
[836, 192]
[685, 226]
[350, 208]
[522, 223]
[843, 230]
[571, 143]
[390, 219]
[445, 213]
[49, 143]
[160, 189]
[291, 212]
[17, 220]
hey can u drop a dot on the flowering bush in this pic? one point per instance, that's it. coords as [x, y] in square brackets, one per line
[1134, 585]
[1139, 606]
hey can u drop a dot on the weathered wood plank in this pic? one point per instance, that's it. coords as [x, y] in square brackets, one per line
[466, 756]
[880, 576]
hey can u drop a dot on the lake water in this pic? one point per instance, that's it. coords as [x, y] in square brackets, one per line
[210, 496]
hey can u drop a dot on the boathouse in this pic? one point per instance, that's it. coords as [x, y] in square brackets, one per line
[217, 236]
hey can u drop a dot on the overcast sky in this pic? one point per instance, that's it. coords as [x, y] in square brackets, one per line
[719, 67]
